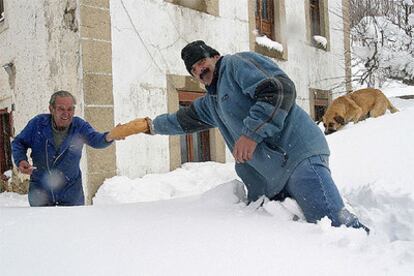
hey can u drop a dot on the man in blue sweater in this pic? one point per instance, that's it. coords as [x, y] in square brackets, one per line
[56, 141]
[278, 149]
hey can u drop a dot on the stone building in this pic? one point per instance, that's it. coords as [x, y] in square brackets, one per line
[121, 58]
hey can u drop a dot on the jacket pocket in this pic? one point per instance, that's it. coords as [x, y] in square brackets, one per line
[277, 150]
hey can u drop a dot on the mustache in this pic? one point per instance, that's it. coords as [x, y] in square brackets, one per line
[204, 72]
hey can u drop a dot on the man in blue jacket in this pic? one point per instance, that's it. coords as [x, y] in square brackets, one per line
[56, 141]
[279, 150]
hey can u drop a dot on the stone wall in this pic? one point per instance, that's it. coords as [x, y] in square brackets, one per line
[96, 79]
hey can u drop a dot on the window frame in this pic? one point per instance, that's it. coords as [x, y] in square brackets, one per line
[278, 28]
[320, 9]
[194, 147]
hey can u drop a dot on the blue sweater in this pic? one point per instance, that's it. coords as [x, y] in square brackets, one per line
[56, 165]
[250, 95]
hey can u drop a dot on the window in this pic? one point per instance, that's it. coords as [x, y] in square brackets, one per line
[319, 101]
[269, 37]
[265, 18]
[318, 23]
[182, 91]
[1, 11]
[195, 147]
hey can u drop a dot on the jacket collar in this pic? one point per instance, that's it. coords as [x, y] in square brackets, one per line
[212, 88]
[48, 132]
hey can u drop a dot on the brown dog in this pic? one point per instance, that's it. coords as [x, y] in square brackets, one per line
[356, 106]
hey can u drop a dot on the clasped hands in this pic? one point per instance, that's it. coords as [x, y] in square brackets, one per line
[121, 131]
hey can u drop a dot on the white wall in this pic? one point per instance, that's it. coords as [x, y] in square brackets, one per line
[142, 57]
[45, 54]
[308, 66]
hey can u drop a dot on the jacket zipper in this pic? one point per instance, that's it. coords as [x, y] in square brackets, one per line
[48, 169]
[54, 162]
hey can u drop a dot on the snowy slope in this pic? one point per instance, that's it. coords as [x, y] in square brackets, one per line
[192, 222]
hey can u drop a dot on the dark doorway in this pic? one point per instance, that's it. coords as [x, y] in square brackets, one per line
[5, 145]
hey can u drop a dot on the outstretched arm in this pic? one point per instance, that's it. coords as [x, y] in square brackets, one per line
[140, 125]
[94, 138]
[190, 119]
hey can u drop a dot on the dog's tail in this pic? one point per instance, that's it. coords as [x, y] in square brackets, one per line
[391, 108]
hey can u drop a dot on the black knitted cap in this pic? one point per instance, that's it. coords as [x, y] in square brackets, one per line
[195, 51]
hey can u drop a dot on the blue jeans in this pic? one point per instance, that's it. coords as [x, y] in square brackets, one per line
[313, 188]
[38, 197]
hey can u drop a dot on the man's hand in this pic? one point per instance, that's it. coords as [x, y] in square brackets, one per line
[25, 167]
[109, 138]
[244, 149]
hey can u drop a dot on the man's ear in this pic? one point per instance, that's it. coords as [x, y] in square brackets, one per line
[50, 108]
[339, 120]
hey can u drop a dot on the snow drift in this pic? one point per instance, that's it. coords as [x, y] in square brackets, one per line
[193, 221]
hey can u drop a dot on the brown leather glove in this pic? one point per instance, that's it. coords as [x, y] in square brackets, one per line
[140, 125]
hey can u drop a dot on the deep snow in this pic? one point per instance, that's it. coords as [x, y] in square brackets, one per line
[191, 221]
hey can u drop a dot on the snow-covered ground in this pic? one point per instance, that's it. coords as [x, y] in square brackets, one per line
[191, 221]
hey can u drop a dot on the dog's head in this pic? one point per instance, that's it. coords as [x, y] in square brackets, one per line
[332, 123]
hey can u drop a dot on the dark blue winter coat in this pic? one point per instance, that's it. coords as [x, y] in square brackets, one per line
[250, 95]
[57, 177]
